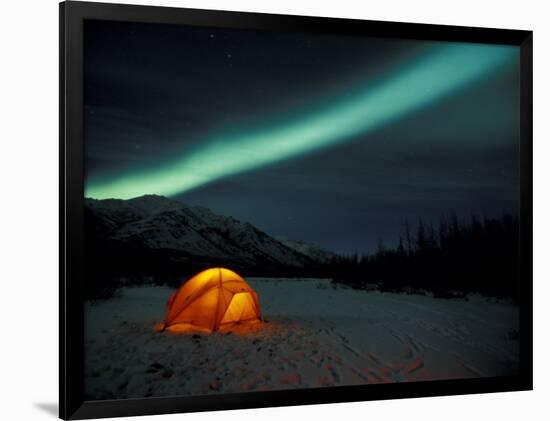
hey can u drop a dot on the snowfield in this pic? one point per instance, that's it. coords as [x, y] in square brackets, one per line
[314, 335]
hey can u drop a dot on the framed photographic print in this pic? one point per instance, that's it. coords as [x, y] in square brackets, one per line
[264, 210]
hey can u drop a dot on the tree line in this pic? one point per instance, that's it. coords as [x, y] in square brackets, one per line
[454, 258]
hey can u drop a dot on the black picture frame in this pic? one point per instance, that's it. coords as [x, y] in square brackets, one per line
[72, 15]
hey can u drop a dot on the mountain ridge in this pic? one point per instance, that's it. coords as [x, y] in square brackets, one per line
[179, 234]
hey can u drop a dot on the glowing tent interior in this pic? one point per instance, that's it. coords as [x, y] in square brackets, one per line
[212, 299]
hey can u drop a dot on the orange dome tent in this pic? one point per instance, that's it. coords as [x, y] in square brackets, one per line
[211, 299]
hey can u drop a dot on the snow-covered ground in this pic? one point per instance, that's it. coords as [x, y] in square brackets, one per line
[313, 336]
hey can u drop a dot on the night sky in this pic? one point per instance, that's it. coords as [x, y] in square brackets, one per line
[325, 139]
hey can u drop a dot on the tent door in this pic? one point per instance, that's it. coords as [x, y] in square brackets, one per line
[240, 308]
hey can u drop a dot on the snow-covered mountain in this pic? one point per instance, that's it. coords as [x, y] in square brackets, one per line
[192, 234]
[313, 251]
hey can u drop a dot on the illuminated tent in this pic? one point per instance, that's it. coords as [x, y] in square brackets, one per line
[210, 300]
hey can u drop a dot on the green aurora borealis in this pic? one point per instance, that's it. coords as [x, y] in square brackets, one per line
[422, 81]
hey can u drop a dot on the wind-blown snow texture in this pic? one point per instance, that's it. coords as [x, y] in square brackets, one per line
[314, 336]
